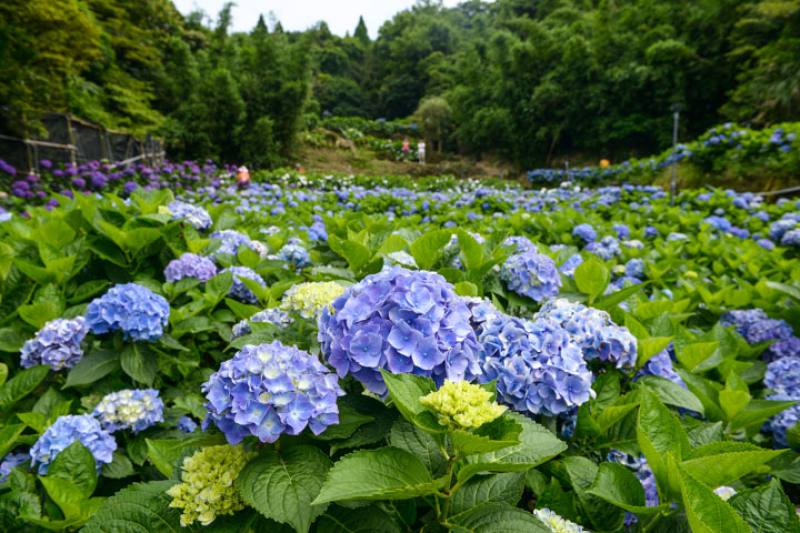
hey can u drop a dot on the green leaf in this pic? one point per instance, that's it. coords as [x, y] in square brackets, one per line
[370, 519]
[75, 464]
[97, 365]
[699, 356]
[582, 473]
[8, 437]
[732, 402]
[357, 255]
[706, 512]
[405, 390]
[650, 347]
[767, 509]
[496, 435]
[139, 362]
[537, 445]
[592, 278]
[466, 288]
[617, 485]
[428, 248]
[471, 251]
[383, 474]
[659, 432]
[757, 412]
[506, 488]
[349, 421]
[794, 292]
[716, 469]
[282, 486]
[22, 384]
[119, 467]
[496, 517]
[11, 340]
[3, 373]
[164, 454]
[68, 496]
[138, 508]
[408, 437]
[218, 286]
[671, 393]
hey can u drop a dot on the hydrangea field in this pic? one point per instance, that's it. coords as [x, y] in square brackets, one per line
[355, 354]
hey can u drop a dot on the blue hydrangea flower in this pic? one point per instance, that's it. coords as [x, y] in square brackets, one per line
[622, 231]
[57, 344]
[531, 274]
[585, 232]
[231, 240]
[778, 228]
[195, 216]
[274, 316]
[133, 309]
[568, 267]
[719, 223]
[538, 369]
[11, 461]
[634, 268]
[607, 248]
[780, 424]
[766, 244]
[239, 290]
[134, 409]
[271, 389]
[294, 254]
[401, 320]
[651, 232]
[66, 430]
[661, 365]
[791, 238]
[783, 376]
[186, 424]
[593, 331]
[519, 244]
[190, 266]
[756, 327]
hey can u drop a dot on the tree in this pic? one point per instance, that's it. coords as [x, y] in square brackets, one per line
[434, 116]
[361, 33]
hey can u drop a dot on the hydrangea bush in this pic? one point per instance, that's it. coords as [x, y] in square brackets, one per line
[136, 311]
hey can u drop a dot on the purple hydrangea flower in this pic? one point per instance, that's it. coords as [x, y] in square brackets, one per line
[531, 274]
[57, 344]
[401, 320]
[190, 266]
[271, 389]
[135, 310]
[239, 290]
[134, 409]
[538, 369]
[195, 216]
[593, 331]
[66, 430]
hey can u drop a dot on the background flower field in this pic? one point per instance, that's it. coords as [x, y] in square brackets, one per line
[334, 353]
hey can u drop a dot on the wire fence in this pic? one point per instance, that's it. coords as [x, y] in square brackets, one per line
[73, 140]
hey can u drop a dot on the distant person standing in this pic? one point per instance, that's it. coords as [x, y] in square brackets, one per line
[406, 149]
[421, 152]
[242, 177]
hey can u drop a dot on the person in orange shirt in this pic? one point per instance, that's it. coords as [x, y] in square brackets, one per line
[242, 177]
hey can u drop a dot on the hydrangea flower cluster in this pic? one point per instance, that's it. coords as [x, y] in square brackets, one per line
[195, 216]
[531, 274]
[606, 248]
[568, 267]
[519, 244]
[791, 238]
[585, 232]
[133, 309]
[661, 365]
[593, 331]
[240, 291]
[190, 266]
[231, 240]
[186, 424]
[134, 409]
[57, 344]
[783, 376]
[295, 254]
[10, 462]
[207, 489]
[725, 492]
[308, 299]
[269, 389]
[401, 320]
[459, 404]
[267, 316]
[756, 327]
[66, 430]
[556, 523]
[622, 230]
[538, 368]
[780, 424]
[634, 268]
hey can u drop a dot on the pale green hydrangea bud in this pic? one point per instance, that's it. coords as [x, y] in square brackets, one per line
[459, 404]
[207, 489]
[308, 299]
[556, 523]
